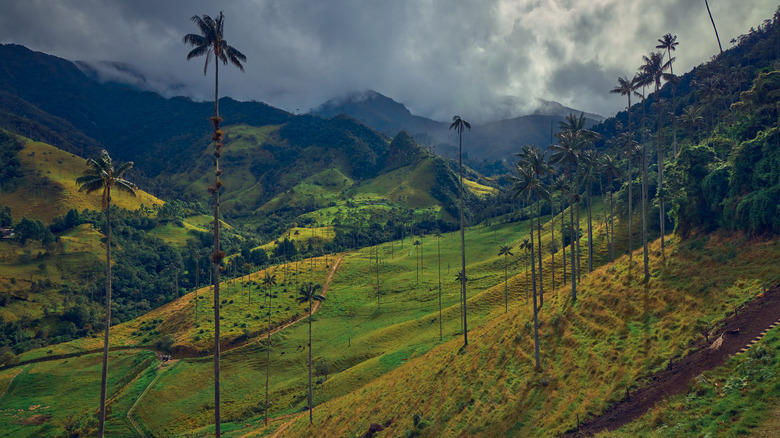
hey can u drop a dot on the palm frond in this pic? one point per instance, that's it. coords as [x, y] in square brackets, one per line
[126, 186]
[89, 183]
[122, 168]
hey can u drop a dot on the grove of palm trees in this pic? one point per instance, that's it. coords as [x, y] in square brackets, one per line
[585, 275]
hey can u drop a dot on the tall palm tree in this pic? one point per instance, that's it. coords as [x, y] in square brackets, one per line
[655, 68]
[211, 41]
[611, 169]
[269, 281]
[668, 43]
[567, 153]
[627, 87]
[308, 293]
[458, 125]
[102, 174]
[527, 185]
[589, 173]
[505, 250]
[643, 80]
[438, 251]
[532, 157]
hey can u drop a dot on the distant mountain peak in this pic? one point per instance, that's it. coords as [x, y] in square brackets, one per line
[551, 108]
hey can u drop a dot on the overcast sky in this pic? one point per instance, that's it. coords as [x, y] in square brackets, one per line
[481, 59]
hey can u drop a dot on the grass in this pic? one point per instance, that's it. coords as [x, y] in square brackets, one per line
[385, 361]
[49, 189]
[45, 396]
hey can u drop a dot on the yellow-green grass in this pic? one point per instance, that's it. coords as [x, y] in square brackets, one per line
[316, 236]
[409, 185]
[360, 341]
[479, 189]
[618, 333]
[173, 234]
[736, 399]
[44, 395]
[240, 319]
[49, 189]
[377, 341]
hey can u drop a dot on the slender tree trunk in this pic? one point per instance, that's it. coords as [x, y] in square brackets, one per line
[539, 233]
[552, 238]
[536, 308]
[573, 266]
[590, 229]
[644, 211]
[216, 256]
[563, 236]
[713, 25]
[629, 157]
[268, 356]
[104, 373]
[462, 241]
[659, 191]
[438, 243]
[611, 224]
[506, 291]
[311, 417]
[577, 239]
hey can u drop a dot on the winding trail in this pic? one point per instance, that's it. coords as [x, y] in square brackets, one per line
[21, 370]
[737, 333]
[140, 397]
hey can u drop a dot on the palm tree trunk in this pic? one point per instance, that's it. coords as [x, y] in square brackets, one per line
[713, 25]
[104, 373]
[311, 418]
[629, 157]
[563, 236]
[573, 268]
[536, 308]
[216, 256]
[539, 233]
[438, 244]
[552, 238]
[577, 239]
[462, 241]
[661, 208]
[506, 291]
[268, 356]
[590, 230]
[644, 210]
[611, 224]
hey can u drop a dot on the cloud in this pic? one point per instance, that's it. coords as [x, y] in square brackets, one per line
[478, 58]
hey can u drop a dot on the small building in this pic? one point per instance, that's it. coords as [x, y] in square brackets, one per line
[7, 233]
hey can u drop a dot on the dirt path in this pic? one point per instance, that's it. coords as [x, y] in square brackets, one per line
[10, 382]
[314, 308]
[737, 331]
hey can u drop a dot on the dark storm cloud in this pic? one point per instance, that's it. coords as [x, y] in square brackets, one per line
[478, 58]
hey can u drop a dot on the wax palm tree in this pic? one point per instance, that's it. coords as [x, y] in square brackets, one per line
[643, 79]
[438, 252]
[211, 41]
[692, 118]
[567, 153]
[655, 69]
[458, 125]
[527, 185]
[269, 281]
[102, 174]
[668, 43]
[505, 250]
[308, 293]
[532, 157]
[611, 169]
[627, 87]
